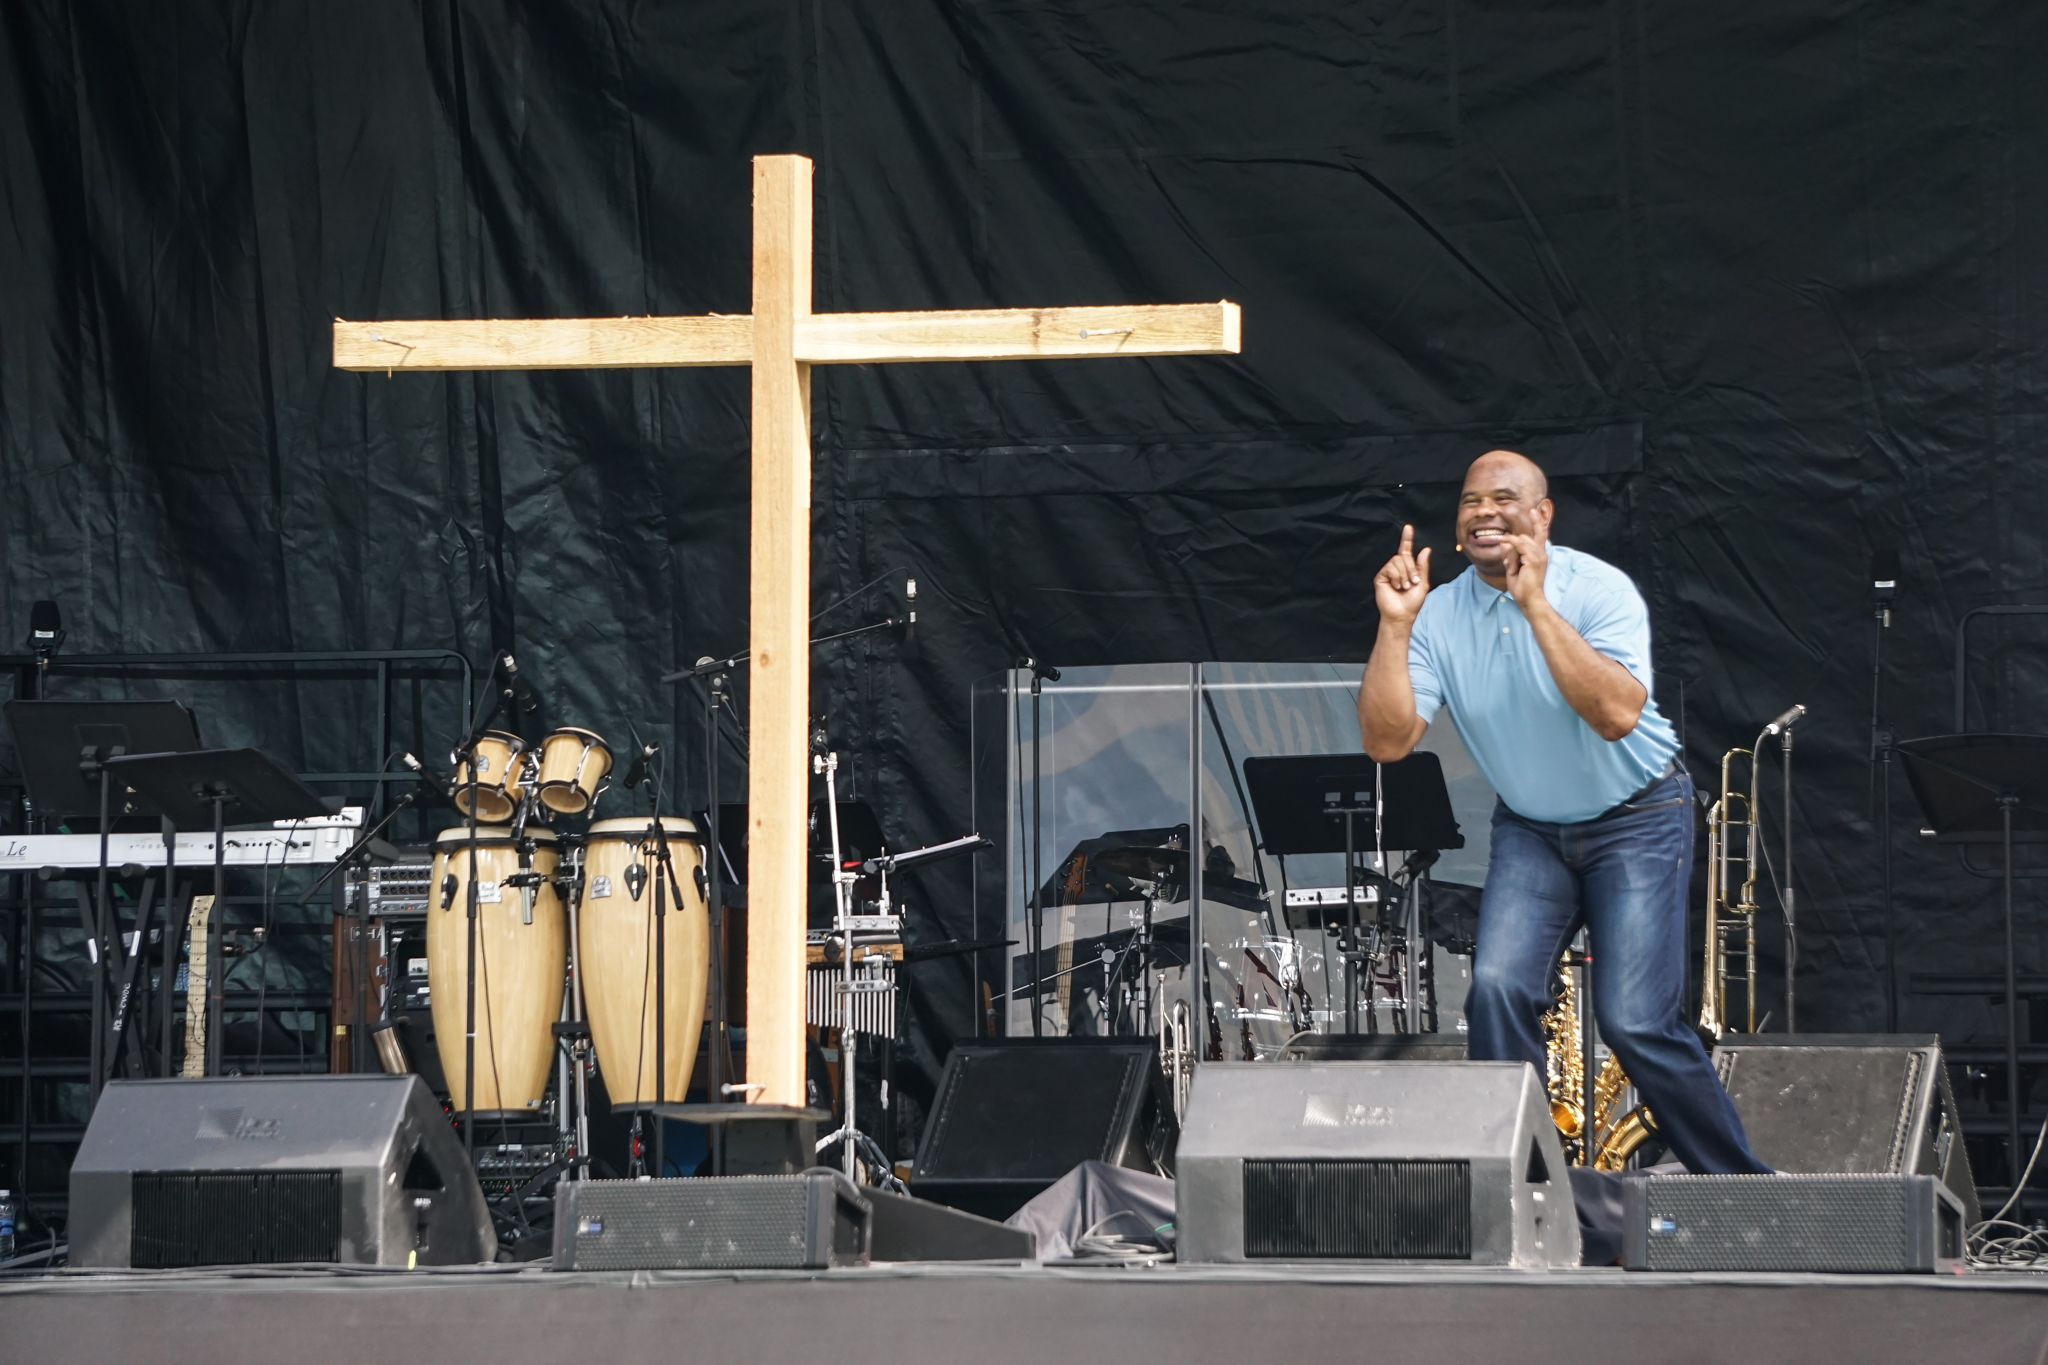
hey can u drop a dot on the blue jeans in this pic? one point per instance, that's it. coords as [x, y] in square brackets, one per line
[1624, 875]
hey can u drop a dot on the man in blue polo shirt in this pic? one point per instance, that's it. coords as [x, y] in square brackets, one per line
[1543, 656]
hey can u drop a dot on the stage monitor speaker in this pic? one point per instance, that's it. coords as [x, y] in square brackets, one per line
[1849, 1103]
[267, 1170]
[808, 1221]
[1882, 1224]
[1012, 1117]
[1418, 1162]
[908, 1229]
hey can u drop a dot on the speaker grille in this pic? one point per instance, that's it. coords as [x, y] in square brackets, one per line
[1840, 1223]
[189, 1218]
[1358, 1210]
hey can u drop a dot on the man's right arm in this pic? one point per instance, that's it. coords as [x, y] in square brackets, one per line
[1387, 719]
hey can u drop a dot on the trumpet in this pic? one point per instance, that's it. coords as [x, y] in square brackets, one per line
[1730, 938]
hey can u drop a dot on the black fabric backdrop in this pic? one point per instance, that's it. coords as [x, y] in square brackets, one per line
[1763, 285]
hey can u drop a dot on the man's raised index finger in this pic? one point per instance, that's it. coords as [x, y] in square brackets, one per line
[1407, 539]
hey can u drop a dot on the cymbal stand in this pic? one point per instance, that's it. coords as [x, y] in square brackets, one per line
[854, 1144]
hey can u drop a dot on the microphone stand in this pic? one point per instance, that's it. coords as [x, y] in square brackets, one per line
[466, 754]
[1881, 760]
[1791, 916]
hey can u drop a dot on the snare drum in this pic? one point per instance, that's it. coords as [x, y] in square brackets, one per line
[520, 961]
[573, 765]
[498, 777]
[615, 952]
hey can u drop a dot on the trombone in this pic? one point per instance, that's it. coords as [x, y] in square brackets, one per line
[1734, 845]
[1732, 852]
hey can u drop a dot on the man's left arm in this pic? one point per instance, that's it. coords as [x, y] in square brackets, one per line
[1600, 689]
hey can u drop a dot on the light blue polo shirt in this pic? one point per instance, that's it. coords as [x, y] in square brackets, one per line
[1472, 650]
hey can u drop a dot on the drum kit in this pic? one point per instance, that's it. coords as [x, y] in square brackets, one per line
[538, 938]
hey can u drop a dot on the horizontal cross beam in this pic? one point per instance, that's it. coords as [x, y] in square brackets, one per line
[821, 338]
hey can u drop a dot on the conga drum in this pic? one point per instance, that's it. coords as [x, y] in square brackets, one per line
[573, 765]
[615, 943]
[499, 759]
[520, 961]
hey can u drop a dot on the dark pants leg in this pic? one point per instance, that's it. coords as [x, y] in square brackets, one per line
[1623, 874]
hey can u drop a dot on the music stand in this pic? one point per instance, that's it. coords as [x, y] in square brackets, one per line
[1987, 789]
[1311, 803]
[62, 746]
[190, 788]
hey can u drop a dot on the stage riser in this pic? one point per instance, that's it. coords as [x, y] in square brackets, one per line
[1020, 1317]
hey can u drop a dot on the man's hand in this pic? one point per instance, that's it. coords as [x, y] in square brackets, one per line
[1399, 589]
[1525, 558]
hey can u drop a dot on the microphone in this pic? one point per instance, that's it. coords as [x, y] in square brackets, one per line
[1884, 576]
[517, 688]
[45, 629]
[637, 774]
[428, 779]
[1785, 722]
[1040, 669]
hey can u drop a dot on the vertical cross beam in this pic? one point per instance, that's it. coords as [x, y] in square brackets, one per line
[778, 780]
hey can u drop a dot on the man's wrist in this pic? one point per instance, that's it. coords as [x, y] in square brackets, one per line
[1396, 632]
[1538, 607]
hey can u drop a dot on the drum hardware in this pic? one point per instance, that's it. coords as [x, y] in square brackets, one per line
[854, 1144]
[572, 1035]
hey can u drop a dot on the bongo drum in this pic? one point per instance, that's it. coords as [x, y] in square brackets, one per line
[615, 951]
[520, 961]
[498, 783]
[573, 766]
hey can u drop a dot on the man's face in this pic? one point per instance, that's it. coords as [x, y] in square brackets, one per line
[1502, 497]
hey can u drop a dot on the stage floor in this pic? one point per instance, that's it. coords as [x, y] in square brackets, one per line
[995, 1315]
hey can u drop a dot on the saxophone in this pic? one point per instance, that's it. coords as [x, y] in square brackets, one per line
[1612, 1138]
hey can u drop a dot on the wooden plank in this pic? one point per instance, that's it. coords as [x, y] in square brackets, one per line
[544, 344]
[778, 761]
[1021, 334]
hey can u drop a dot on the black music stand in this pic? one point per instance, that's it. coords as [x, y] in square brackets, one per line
[63, 746]
[193, 789]
[1987, 789]
[1312, 803]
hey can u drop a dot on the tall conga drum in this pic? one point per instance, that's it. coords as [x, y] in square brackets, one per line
[522, 951]
[615, 950]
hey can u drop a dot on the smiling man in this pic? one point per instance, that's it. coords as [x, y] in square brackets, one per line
[1542, 655]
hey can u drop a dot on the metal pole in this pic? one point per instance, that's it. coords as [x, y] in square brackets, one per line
[715, 853]
[1198, 957]
[97, 950]
[2006, 801]
[1589, 1079]
[469, 983]
[216, 924]
[27, 963]
[1791, 914]
[660, 996]
[1037, 935]
[1351, 926]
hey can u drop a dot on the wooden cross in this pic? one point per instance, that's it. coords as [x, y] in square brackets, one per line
[781, 341]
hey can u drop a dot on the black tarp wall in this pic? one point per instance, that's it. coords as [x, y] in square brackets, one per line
[1760, 283]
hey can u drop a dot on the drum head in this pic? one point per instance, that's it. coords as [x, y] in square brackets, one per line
[458, 835]
[678, 827]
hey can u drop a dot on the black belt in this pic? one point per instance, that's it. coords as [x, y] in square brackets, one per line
[1672, 768]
